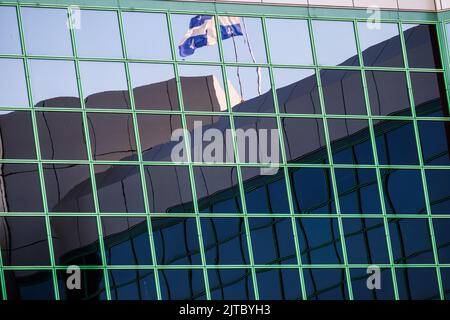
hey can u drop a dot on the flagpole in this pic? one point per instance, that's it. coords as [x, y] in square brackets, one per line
[258, 69]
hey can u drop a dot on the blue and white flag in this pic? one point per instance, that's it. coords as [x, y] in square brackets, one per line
[202, 32]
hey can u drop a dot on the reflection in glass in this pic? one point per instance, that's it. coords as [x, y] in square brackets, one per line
[180, 26]
[422, 45]
[442, 238]
[168, 189]
[48, 36]
[380, 45]
[417, 284]
[438, 190]
[249, 47]
[272, 241]
[311, 190]
[231, 284]
[296, 51]
[154, 86]
[358, 191]
[388, 93]
[9, 31]
[176, 241]
[207, 83]
[319, 239]
[435, 142]
[359, 285]
[68, 188]
[54, 83]
[326, 284]
[134, 250]
[430, 98]
[72, 233]
[182, 284]
[24, 242]
[335, 43]
[278, 284]
[250, 83]
[99, 35]
[93, 288]
[398, 187]
[141, 39]
[365, 240]
[405, 247]
[17, 146]
[119, 188]
[29, 285]
[297, 90]
[350, 141]
[343, 92]
[396, 143]
[304, 140]
[104, 85]
[225, 241]
[13, 88]
[136, 284]
[21, 188]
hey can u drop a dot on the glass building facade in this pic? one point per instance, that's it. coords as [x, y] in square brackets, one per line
[90, 98]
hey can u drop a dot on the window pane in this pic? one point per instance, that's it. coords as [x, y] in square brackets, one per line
[326, 284]
[146, 35]
[182, 284]
[231, 284]
[20, 286]
[381, 45]
[132, 284]
[304, 140]
[202, 88]
[279, 284]
[112, 136]
[154, 86]
[439, 190]
[17, 146]
[422, 46]
[53, 83]
[249, 89]
[61, 135]
[13, 88]
[169, 189]
[99, 35]
[104, 85]
[388, 93]
[68, 188]
[180, 27]
[248, 47]
[335, 43]
[435, 142]
[297, 91]
[49, 35]
[289, 51]
[343, 92]
[441, 227]
[9, 31]
[119, 188]
[417, 284]
[359, 285]
[350, 141]
[430, 98]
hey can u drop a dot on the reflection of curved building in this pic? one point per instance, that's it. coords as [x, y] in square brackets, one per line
[68, 189]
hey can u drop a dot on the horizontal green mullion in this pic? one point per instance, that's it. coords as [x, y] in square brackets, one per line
[258, 267]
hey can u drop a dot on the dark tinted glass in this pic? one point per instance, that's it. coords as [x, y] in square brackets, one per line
[29, 285]
[182, 284]
[279, 284]
[435, 142]
[132, 285]
[92, 285]
[442, 238]
[438, 190]
[119, 188]
[359, 285]
[17, 146]
[231, 284]
[422, 47]
[417, 283]
[429, 94]
[326, 284]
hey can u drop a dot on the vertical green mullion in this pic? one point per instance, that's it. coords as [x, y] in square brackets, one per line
[376, 162]
[421, 163]
[284, 160]
[189, 159]
[330, 159]
[238, 163]
[90, 159]
[139, 152]
[38, 155]
[445, 54]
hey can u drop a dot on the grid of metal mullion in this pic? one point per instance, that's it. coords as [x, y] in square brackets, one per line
[238, 162]
[38, 156]
[90, 162]
[139, 154]
[189, 159]
[330, 159]
[421, 161]
[285, 168]
[376, 162]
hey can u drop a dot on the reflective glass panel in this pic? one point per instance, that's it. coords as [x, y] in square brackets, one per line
[13, 88]
[182, 284]
[279, 284]
[435, 142]
[231, 284]
[417, 284]
[132, 284]
[17, 146]
[326, 284]
[430, 98]
[422, 45]
[9, 31]
[22, 284]
[438, 190]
